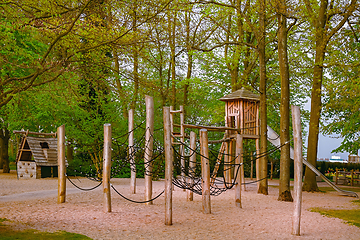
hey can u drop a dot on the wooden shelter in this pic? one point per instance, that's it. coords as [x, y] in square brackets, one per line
[37, 156]
[242, 112]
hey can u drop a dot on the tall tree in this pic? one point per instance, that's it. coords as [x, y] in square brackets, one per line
[284, 185]
[263, 186]
[326, 19]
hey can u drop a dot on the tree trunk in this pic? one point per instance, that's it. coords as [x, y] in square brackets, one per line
[263, 185]
[190, 59]
[136, 63]
[69, 152]
[310, 184]
[284, 184]
[4, 146]
[323, 33]
[172, 24]
[1, 150]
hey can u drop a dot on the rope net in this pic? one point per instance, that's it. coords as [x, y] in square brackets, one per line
[140, 159]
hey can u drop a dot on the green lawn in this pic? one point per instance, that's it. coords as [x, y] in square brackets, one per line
[7, 233]
[350, 216]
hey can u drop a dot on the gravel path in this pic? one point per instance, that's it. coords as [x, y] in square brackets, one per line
[33, 204]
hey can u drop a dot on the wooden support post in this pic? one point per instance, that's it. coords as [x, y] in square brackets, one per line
[61, 164]
[168, 166]
[205, 170]
[172, 123]
[192, 164]
[149, 141]
[336, 176]
[238, 160]
[231, 160]
[131, 152]
[257, 167]
[217, 164]
[182, 139]
[298, 166]
[227, 175]
[242, 172]
[107, 167]
[251, 167]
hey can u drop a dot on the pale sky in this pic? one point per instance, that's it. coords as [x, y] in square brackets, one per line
[326, 144]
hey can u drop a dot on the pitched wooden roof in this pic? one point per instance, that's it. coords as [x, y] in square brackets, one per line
[241, 94]
[43, 150]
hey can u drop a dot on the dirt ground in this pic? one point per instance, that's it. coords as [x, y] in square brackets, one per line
[33, 204]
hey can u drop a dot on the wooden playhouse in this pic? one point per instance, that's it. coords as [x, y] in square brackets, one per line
[37, 155]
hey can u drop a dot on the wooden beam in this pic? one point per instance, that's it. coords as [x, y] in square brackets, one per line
[209, 128]
[34, 133]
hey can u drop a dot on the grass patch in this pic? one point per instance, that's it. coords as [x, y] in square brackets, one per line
[7, 233]
[350, 216]
[330, 189]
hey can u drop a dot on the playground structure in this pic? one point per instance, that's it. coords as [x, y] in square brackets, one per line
[37, 155]
[235, 131]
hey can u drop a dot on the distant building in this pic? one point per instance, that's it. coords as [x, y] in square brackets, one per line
[322, 159]
[354, 159]
[337, 159]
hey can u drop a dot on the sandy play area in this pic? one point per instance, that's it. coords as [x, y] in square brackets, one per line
[33, 204]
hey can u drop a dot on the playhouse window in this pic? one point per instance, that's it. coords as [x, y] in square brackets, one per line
[44, 145]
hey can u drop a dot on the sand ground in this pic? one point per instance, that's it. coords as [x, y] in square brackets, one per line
[33, 204]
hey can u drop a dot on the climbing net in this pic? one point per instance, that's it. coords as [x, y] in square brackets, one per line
[190, 177]
[136, 158]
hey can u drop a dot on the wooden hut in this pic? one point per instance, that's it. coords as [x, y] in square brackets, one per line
[242, 111]
[37, 156]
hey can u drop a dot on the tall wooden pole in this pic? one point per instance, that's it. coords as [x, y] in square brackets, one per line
[192, 164]
[61, 164]
[238, 161]
[242, 172]
[205, 170]
[252, 167]
[227, 168]
[107, 167]
[168, 166]
[257, 162]
[298, 166]
[182, 139]
[172, 123]
[131, 152]
[149, 141]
